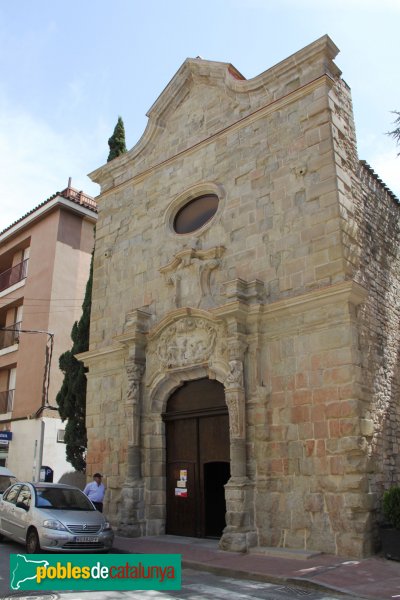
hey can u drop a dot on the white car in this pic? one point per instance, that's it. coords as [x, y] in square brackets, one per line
[7, 478]
[55, 517]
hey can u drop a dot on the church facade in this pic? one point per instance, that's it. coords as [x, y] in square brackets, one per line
[243, 370]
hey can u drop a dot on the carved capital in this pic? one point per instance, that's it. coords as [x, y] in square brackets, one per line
[250, 292]
[236, 349]
[234, 379]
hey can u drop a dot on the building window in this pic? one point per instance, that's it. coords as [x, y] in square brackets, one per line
[196, 213]
[60, 436]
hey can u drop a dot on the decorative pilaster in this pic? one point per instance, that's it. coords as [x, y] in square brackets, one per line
[132, 414]
[239, 533]
[132, 493]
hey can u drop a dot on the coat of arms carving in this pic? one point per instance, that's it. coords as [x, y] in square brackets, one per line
[190, 274]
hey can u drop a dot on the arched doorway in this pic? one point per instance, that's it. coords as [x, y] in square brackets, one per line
[198, 460]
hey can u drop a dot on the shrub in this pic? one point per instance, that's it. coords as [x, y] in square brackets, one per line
[391, 506]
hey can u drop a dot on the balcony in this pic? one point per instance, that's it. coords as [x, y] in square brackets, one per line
[6, 401]
[13, 275]
[9, 335]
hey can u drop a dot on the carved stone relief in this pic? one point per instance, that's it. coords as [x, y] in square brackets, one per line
[189, 341]
[236, 421]
[234, 378]
[134, 372]
[190, 274]
[131, 406]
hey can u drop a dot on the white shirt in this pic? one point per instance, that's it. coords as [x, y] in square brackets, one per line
[95, 492]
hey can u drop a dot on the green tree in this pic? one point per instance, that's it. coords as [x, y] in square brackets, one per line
[117, 141]
[71, 398]
[396, 132]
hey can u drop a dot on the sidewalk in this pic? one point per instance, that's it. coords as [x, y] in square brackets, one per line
[375, 578]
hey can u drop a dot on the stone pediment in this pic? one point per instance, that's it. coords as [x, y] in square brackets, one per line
[193, 106]
[192, 72]
[197, 103]
[206, 97]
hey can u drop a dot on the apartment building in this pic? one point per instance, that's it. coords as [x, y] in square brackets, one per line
[44, 266]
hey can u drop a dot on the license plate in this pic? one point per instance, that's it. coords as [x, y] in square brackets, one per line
[86, 538]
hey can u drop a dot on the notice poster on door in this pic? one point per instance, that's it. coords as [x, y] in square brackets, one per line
[181, 484]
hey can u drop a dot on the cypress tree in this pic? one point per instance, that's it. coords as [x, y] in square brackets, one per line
[117, 141]
[71, 398]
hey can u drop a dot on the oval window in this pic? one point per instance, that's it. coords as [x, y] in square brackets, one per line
[196, 213]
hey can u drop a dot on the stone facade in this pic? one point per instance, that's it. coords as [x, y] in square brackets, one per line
[289, 296]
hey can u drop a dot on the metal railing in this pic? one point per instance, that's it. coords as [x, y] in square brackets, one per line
[13, 275]
[6, 401]
[10, 335]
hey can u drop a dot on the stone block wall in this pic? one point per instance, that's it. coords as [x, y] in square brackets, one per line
[301, 293]
[278, 218]
[376, 212]
[309, 445]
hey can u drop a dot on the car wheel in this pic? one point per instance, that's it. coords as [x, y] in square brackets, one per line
[32, 542]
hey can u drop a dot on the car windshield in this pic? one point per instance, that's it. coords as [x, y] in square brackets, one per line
[6, 481]
[62, 499]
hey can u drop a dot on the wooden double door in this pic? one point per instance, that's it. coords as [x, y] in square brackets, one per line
[198, 461]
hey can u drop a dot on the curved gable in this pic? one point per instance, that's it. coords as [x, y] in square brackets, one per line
[205, 97]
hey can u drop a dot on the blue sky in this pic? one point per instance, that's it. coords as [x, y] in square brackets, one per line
[70, 67]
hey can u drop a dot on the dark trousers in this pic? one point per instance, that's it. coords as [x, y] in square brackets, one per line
[99, 506]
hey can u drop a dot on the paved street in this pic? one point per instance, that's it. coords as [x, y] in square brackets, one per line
[196, 585]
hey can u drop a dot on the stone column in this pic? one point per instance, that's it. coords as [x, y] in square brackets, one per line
[239, 533]
[132, 521]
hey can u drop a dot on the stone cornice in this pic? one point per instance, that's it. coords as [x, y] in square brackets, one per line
[346, 291]
[323, 50]
[91, 357]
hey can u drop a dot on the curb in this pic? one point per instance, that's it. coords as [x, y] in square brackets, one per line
[256, 576]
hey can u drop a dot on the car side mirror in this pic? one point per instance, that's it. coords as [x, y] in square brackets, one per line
[22, 505]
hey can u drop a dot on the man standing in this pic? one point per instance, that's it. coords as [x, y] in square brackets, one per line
[95, 491]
